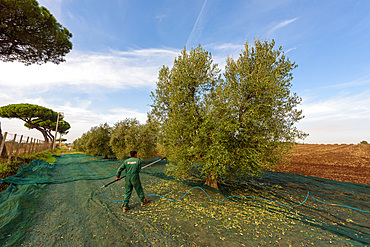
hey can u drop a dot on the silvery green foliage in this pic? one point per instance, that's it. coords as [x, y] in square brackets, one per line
[129, 135]
[234, 126]
[180, 106]
[253, 114]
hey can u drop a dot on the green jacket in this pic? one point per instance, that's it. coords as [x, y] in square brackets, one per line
[132, 166]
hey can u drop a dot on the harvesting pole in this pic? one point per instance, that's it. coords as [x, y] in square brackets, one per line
[106, 185]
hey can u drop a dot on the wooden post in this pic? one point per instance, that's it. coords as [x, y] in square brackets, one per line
[2, 145]
[36, 145]
[11, 149]
[19, 146]
[29, 149]
[33, 145]
[39, 146]
[25, 146]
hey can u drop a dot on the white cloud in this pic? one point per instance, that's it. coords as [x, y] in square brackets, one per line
[79, 117]
[116, 69]
[87, 73]
[82, 119]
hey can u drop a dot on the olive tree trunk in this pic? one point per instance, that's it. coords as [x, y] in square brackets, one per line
[211, 181]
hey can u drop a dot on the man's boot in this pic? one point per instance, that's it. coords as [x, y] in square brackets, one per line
[124, 209]
[145, 202]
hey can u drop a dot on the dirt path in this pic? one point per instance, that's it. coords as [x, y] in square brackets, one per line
[64, 152]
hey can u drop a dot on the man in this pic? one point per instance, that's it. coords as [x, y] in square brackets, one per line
[132, 167]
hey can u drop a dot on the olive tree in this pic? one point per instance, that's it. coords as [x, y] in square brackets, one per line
[97, 141]
[180, 106]
[80, 143]
[235, 126]
[129, 135]
[251, 123]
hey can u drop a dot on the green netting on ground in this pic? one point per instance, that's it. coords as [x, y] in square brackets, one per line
[61, 204]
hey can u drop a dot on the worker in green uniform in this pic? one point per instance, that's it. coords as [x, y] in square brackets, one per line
[132, 167]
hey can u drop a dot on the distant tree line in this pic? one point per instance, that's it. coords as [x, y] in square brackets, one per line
[222, 126]
[120, 139]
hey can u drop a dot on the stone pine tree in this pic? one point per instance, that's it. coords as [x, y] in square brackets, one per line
[30, 34]
[36, 117]
[180, 107]
[251, 122]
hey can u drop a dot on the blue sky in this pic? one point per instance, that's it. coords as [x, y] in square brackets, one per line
[119, 47]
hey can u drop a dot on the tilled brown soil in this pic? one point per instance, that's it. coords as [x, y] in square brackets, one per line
[347, 163]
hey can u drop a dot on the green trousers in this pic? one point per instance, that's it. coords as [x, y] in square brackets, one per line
[133, 181]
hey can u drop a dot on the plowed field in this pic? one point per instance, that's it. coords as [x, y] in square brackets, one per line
[347, 163]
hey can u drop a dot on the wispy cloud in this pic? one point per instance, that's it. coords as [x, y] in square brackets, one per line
[339, 107]
[365, 80]
[229, 47]
[289, 50]
[160, 17]
[199, 25]
[280, 25]
[336, 117]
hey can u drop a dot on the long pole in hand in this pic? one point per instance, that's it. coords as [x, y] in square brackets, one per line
[125, 175]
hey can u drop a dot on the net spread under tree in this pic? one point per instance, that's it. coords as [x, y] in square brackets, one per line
[236, 126]
[30, 34]
[36, 117]
[60, 205]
